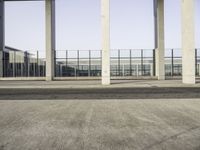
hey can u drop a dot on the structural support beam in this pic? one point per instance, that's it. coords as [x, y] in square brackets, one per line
[105, 18]
[188, 41]
[159, 38]
[2, 36]
[50, 39]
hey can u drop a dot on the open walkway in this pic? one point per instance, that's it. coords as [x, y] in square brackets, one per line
[100, 125]
[95, 84]
[84, 115]
[92, 89]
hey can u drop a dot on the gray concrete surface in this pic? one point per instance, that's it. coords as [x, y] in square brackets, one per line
[120, 89]
[94, 84]
[100, 125]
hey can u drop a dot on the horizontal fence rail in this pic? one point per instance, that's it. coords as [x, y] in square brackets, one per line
[87, 63]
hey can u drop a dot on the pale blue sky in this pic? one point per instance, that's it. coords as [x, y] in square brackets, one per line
[78, 24]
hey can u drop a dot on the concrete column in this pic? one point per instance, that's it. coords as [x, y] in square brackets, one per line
[2, 36]
[105, 18]
[188, 41]
[50, 38]
[159, 39]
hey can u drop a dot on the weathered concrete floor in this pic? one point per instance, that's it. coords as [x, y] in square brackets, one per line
[90, 84]
[100, 125]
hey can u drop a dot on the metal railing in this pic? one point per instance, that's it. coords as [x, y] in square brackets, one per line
[24, 64]
[87, 63]
[76, 63]
[173, 62]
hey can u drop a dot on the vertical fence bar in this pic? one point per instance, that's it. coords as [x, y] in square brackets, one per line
[196, 62]
[66, 62]
[130, 67]
[198, 67]
[28, 61]
[101, 62]
[89, 71]
[61, 72]
[21, 64]
[55, 64]
[142, 62]
[123, 70]
[44, 68]
[37, 65]
[25, 64]
[14, 63]
[172, 62]
[5, 68]
[34, 64]
[119, 63]
[154, 62]
[78, 63]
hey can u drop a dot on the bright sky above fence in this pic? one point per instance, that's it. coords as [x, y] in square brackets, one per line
[78, 24]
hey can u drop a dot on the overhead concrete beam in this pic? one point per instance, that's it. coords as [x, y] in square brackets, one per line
[2, 36]
[105, 19]
[50, 39]
[159, 38]
[188, 41]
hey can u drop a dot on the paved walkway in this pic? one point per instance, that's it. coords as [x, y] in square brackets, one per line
[100, 125]
[83, 122]
[94, 84]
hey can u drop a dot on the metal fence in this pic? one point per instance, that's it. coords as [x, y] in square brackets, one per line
[124, 62]
[87, 63]
[173, 62]
[24, 64]
[78, 63]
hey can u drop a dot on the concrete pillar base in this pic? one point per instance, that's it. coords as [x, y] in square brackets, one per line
[49, 79]
[161, 77]
[189, 79]
[105, 81]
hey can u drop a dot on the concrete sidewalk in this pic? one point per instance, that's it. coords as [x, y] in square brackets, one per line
[100, 125]
[94, 84]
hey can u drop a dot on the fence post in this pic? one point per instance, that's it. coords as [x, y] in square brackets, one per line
[195, 61]
[142, 62]
[66, 63]
[38, 64]
[77, 72]
[89, 74]
[101, 63]
[154, 62]
[119, 63]
[14, 64]
[5, 66]
[28, 64]
[172, 59]
[130, 67]
[22, 64]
